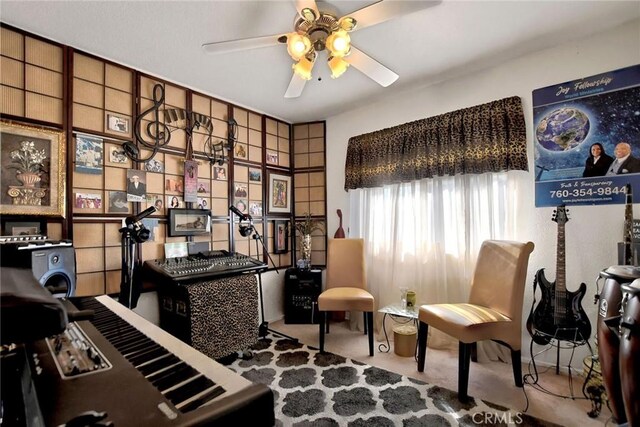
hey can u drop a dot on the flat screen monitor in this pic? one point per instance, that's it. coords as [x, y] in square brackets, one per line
[189, 222]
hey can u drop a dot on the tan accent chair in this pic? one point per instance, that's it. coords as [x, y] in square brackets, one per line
[494, 310]
[346, 285]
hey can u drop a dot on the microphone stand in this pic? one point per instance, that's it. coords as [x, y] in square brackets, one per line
[264, 325]
[127, 250]
[132, 232]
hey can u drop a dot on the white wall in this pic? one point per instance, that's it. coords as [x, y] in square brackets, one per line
[593, 231]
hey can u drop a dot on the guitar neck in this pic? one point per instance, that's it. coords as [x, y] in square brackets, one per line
[560, 262]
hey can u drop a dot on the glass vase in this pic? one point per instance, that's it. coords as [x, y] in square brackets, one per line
[305, 251]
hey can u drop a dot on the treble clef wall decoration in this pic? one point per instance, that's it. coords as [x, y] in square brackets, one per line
[158, 131]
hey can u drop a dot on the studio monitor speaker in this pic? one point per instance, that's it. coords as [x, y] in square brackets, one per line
[55, 269]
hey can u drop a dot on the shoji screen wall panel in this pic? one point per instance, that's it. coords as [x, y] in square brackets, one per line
[31, 79]
[31, 86]
[278, 160]
[215, 193]
[309, 182]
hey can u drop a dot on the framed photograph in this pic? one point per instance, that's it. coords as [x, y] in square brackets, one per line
[272, 158]
[255, 208]
[280, 237]
[117, 202]
[189, 222]
[279, 193]
[190, 181]
[153, 165]
[220, 174]
[204, 186]
[157, 201]
[174, 202]
[255, 175]
[241, 204]
[241, 190]
[88, 201]
[136, 185]
[32, 177]
[241, 151]
[117, 123]
[203, 203]
[175, 184]
[89, 155]
[116, 155]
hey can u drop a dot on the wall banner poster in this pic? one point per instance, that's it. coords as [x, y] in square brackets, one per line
[587, 139]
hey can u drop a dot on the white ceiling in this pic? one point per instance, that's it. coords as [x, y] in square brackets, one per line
[164, 38]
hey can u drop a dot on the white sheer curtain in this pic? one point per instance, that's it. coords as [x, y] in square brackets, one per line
[425, 235]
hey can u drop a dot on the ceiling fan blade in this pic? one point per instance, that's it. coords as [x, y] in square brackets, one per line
[241, 44]
[387, 9]
[296, 85]
[370, 67]
[307, 4]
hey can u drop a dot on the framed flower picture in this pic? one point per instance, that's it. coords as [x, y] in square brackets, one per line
[32, 179]
[279, 193]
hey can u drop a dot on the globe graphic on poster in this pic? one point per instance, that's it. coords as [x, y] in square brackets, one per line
[562, 129]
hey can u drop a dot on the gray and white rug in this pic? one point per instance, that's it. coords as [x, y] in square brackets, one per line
[313, 389]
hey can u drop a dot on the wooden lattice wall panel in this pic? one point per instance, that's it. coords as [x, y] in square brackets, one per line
[278, 144]
[31, 79]
[102, 97]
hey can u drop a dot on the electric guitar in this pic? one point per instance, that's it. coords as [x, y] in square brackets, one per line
[559, 315]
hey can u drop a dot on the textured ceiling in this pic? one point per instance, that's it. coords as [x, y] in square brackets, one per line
[164, 38]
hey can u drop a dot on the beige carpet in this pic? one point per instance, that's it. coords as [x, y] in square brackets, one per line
[492, 381]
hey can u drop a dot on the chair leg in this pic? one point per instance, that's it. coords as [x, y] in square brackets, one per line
[464, 360]
[422, 345]
[322, 318]
[369, 322]
[364, 316]
[327, 317]
[474, 352]
[517, 367]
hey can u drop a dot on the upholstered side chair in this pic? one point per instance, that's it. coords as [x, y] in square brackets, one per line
[494, 310]
[346, 285]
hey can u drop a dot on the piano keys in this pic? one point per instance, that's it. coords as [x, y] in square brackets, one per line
[155, 379]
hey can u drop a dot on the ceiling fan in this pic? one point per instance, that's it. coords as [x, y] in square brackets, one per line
[316, 31]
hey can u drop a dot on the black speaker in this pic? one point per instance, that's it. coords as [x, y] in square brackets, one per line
[55, 269]
[301, 291]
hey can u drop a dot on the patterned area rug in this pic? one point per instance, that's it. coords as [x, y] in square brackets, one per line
[313, 389]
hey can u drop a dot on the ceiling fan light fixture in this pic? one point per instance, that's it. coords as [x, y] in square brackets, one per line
[347, 23]
[298, 45]
[308, 14]
[338, 66]
[303, 68]
[338, 43]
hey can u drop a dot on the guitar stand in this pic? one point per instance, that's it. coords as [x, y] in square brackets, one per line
[578, 341]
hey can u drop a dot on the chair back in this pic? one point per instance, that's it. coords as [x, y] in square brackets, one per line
[500, 275]
[346, 264]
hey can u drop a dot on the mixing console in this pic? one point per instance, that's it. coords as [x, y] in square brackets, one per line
[205, 265]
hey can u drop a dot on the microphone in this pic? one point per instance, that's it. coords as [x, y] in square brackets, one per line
[236, 211]
[130, 220]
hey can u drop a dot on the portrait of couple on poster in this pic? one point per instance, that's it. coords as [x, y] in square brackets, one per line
[599, 163]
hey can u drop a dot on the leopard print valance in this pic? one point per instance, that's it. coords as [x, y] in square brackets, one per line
[485, 138]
